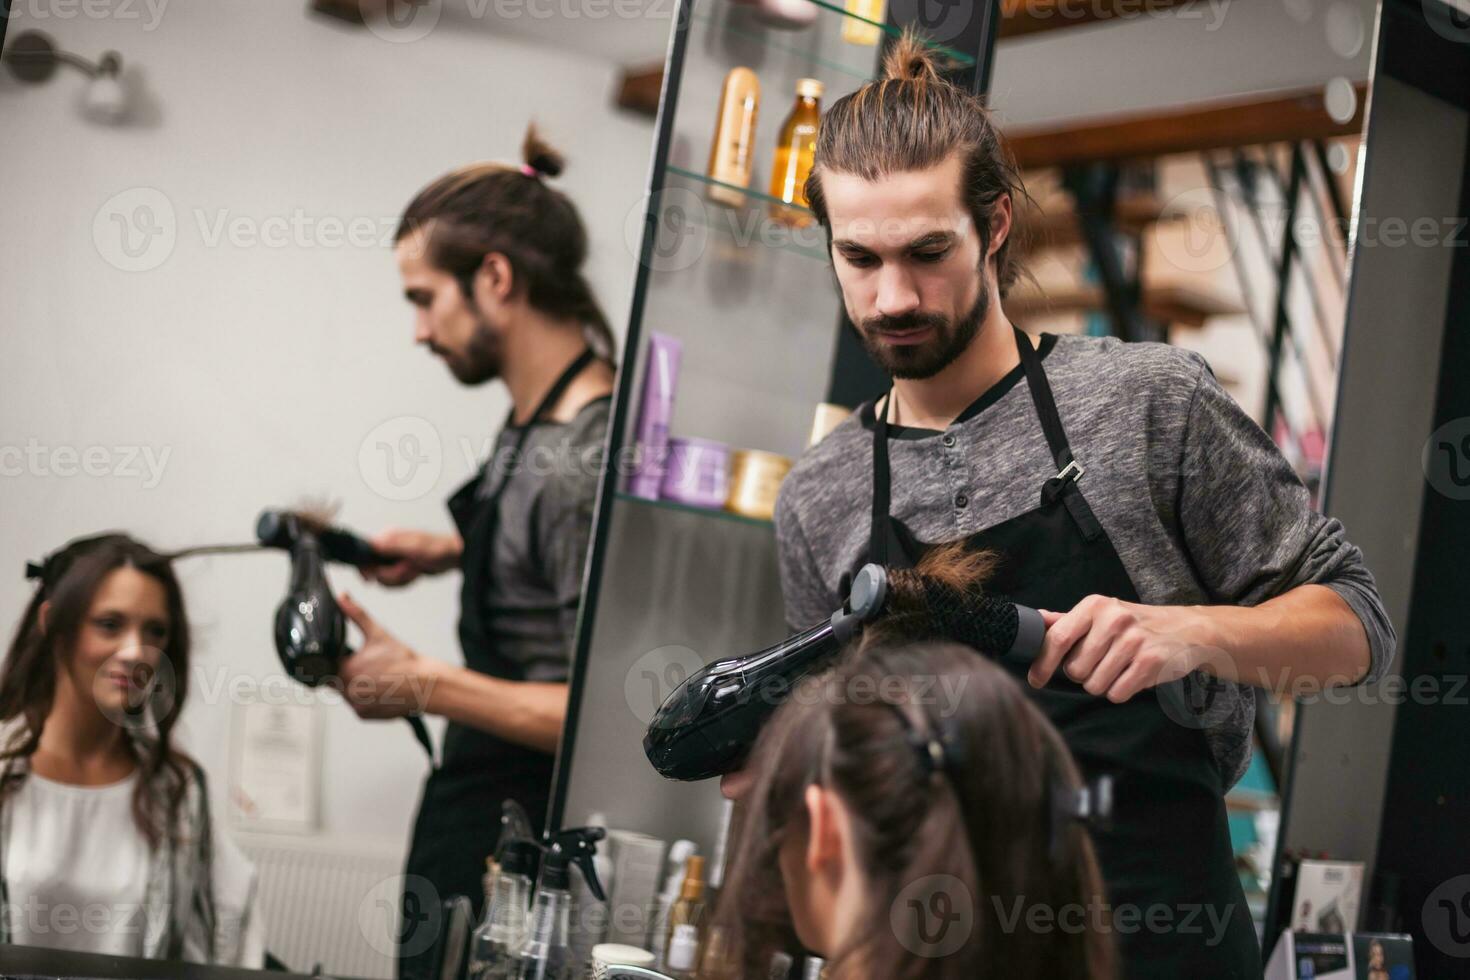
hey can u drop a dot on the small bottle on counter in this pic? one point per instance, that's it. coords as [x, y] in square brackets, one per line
[686, 918]
[714, 952]
[679, 853]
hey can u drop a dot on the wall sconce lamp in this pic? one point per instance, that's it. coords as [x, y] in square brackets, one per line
[33, 58]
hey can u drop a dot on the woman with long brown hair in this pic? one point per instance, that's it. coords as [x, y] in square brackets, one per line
[106, 842]
[914, 815]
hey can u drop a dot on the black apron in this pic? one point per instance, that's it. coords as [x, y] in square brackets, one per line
[1169, 842]
[458, 822]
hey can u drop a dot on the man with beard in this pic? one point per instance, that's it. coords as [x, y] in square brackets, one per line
[490, 257]
[1173, 552]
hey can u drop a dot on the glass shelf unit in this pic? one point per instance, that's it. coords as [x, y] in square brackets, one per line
[755, 305]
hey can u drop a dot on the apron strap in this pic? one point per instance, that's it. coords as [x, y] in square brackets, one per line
[548, 401]
[879, 530]
[1041, 397]
[1064, 484]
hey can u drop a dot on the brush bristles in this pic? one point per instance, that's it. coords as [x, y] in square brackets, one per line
[315, 513]
[959, 566]
[945, 598]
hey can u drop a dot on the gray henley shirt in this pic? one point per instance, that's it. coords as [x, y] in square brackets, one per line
[540, 547]
[1199, 503]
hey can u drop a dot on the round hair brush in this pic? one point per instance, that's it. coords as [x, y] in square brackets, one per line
[707, 725]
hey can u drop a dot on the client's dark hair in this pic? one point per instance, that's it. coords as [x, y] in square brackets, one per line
[985, 818]
[490, 207]
[69, 580]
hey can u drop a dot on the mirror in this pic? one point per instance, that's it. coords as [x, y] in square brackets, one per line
[1169, 147]
[205, 319]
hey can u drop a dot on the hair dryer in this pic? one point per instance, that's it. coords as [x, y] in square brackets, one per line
[310, 629]
[311, 632]
[706, 726]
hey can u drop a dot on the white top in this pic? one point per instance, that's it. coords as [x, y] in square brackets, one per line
[76, 866]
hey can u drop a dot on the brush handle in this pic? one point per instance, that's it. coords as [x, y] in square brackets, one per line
[341, 545]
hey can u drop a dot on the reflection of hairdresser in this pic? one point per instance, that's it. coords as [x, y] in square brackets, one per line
[490, 257]
[900, 834]
[108, 846]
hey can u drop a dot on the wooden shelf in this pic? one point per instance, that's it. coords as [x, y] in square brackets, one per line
[1280, 117]
[1176, 305]
[1060, 228]
[1020, 18]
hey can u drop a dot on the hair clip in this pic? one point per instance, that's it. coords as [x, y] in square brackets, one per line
[530, 171]
[930, 750]
[35, 569]
[938, 751]
[1090, 804]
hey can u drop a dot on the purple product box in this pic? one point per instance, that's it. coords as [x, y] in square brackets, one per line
[698, 473]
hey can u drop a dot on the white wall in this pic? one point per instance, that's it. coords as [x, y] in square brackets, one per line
[259, 371]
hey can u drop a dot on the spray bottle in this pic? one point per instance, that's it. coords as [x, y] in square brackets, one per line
[545, 953]
[495, 943]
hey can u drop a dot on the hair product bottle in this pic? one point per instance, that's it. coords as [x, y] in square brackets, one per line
[679, 853]
[731, 153]
[855, 31]
[686, 918]
[795, 150]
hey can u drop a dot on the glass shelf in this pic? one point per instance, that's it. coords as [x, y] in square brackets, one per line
[742, 227]
[719, 515]
[744, 191]
[772, 38]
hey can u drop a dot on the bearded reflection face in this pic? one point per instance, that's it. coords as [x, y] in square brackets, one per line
[479, 358]
[455, 327]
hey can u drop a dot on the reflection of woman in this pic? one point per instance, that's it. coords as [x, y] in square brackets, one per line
[106, 843]
[916, 836]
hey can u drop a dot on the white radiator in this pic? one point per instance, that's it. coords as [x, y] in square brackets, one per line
[328, 901]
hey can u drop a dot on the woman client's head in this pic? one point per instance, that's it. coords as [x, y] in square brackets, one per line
[903, 823]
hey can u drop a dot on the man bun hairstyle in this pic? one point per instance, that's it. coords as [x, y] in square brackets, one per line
[913, 118]
[540, 156]
[492, 207]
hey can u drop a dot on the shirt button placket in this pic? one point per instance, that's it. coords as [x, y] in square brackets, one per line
[956, 464]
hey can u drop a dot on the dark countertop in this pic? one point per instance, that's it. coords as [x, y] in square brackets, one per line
[27, 962]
